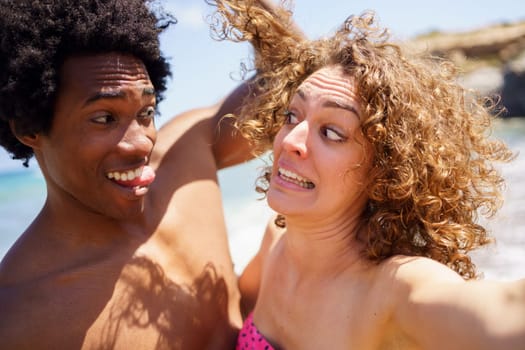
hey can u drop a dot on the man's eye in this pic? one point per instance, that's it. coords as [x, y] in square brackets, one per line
[291, 118]
[149, 113]
[103, 119]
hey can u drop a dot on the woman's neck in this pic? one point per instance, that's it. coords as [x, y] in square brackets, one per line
[322, 247]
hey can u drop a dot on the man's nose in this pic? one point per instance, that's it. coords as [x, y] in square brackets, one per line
[138, 138]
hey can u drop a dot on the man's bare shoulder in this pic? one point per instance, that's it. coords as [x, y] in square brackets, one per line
[35, 317]
[21, 263]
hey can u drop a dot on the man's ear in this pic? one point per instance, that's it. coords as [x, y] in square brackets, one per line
[30, 140]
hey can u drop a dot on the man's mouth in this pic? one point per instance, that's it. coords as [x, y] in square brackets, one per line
[141, 176]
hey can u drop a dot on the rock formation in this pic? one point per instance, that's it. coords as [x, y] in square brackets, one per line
[492, 60]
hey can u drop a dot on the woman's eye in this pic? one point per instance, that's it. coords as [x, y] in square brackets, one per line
[149, 113]
[333, 135]
[291, 118]
[103, 119]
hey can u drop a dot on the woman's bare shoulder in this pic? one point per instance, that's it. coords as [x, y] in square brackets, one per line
[404, 268]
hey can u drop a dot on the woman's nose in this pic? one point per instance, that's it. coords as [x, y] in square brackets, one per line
[296, 139]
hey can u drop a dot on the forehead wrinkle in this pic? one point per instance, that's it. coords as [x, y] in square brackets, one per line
[340, 91]
[107, 78]
[116, 68]
[324, 81]
[110, 77]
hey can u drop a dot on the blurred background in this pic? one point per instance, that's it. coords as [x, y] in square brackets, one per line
[486, 38]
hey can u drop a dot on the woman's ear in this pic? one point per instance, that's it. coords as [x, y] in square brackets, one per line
[30, 140]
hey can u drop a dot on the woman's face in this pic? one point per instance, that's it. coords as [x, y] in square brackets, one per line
[321, 159]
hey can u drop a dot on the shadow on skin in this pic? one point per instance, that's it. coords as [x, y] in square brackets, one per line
[150, 300]
[102, 295]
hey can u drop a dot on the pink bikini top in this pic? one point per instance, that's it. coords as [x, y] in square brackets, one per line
[250, 338]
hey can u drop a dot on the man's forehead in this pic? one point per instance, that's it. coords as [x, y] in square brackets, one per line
[105, 70]
[105, 64]
[114, 58]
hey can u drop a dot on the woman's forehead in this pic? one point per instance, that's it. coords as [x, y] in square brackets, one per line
[330, 83]
[326, 78]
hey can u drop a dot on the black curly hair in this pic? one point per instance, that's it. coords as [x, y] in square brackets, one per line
[36, 36]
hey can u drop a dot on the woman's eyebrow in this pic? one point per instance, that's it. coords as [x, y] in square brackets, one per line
[331, 103]
[338, 104]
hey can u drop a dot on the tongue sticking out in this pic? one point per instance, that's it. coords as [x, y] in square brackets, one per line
[147, 177]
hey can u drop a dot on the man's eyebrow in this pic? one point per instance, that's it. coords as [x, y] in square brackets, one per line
[102, 95]
[114, 94]
[148, 91]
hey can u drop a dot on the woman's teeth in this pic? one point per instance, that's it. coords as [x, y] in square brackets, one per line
[292, 177]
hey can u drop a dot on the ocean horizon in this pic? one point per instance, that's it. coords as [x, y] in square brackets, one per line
[22, 194]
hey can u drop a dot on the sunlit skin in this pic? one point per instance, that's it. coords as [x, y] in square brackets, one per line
[104, 129]
[320, 160]
[322, 143]
[311, 287]
[130, 249]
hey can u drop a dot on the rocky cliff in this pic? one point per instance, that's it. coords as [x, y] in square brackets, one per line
[492, 60]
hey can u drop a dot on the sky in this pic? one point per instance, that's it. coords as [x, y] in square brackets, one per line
[205, 70]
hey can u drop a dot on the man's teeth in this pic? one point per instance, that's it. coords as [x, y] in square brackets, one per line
[296, 179]
[126, 175]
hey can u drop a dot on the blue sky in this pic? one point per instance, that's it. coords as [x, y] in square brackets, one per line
[205, 70]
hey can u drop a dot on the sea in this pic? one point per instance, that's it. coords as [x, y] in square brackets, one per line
[22, 194]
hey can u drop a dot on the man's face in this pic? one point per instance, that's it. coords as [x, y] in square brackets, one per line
[96, 154]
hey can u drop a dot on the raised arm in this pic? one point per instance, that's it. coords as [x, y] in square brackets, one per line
[439, 310]
[229, 147]
[250, 279]
[216, 123]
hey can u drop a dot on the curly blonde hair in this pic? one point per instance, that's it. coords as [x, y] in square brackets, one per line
[432, 171]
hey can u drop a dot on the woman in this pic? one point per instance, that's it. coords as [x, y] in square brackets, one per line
[381, 163]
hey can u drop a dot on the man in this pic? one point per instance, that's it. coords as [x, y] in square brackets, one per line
[130, 249]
